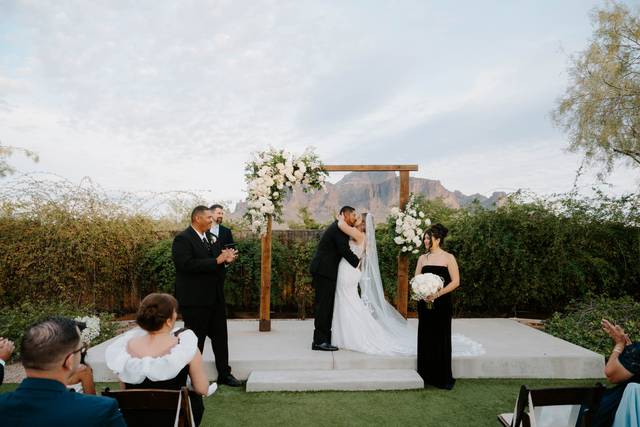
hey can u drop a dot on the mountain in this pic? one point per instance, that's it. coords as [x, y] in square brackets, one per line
[375, 192]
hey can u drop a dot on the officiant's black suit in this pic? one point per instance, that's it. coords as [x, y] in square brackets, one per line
[200, 293]
[333, 246]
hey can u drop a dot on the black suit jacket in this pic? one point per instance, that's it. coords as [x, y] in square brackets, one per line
[197, 273]
[333, 246]
[1, 374]
[224, 237]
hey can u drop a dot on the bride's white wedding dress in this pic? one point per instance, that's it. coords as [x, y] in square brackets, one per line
[364, 321]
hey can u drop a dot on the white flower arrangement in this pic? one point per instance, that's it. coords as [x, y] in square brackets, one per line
[92, 331]
[410, 225]
[425, 285]
[270, 175]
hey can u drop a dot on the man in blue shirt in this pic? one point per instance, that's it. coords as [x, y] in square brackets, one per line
[50, 355]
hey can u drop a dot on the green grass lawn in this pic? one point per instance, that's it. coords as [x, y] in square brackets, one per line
[470, 403]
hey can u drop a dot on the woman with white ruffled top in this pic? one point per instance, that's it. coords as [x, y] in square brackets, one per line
[157, 355]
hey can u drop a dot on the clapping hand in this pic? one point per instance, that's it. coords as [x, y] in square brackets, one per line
[616, 333]
[6, 348]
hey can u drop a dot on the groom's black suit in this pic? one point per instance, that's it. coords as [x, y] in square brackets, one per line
[200, 293]
[333, 246]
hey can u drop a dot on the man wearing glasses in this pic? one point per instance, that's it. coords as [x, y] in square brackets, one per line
[51, 352]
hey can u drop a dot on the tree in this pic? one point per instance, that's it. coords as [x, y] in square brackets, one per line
[307, 221]
[600, 109]
[6, 152]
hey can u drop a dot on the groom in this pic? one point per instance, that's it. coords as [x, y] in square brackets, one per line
[333, 246]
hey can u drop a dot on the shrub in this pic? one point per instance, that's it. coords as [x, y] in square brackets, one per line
[15, 320]
[580, 323]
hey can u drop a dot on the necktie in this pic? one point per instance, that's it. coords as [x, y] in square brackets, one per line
[206, 243]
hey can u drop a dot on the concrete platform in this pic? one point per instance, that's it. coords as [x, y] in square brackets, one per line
[512, 350]
[336, 379]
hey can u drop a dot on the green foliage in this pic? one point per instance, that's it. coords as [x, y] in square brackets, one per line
[156, 269]
[537, 255]
[599, 110]
[307, 222]
[580, 323]
[15, 320]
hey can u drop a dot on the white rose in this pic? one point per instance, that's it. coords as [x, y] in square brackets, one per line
[415, 251]
[427, 222]
[399, 240]
[275, 194]
[421, 214]
[405, 249]
[399, 222]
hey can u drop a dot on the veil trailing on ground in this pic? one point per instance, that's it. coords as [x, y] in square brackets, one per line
[372, 292]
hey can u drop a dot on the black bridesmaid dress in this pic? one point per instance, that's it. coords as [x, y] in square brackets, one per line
[434, 336]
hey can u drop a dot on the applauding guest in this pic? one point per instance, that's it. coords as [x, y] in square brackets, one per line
[157, 355]
[50, 355]
[6, 349]
[200, 269]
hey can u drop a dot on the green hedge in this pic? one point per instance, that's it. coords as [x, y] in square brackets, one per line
[527, 257]
[580, 323]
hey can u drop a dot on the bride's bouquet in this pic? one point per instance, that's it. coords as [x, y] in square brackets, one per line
[425, 285]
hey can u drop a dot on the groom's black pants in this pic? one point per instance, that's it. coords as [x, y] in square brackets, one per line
[325, 296]
[210, 322]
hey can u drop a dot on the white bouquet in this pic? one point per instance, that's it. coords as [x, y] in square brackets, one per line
[410, 226]
[425, 285]
[92, 330]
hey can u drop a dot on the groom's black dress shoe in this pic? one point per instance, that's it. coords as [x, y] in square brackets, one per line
[230, 380]
[325, 346]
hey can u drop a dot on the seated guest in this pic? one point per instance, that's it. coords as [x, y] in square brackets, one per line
[156, 355]
[50, 355]
[6, 349]
[82, 380]
[628, 413]
[622, 368]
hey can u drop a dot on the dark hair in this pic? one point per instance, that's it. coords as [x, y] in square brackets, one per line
[154, 310]
[216, 206]
[346, 209]
[438, 231]
[198, 211]
[48, 341]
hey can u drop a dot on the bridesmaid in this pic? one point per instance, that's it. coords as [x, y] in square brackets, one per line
[434, 325]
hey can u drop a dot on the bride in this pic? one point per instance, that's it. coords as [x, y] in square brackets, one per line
[365, 321]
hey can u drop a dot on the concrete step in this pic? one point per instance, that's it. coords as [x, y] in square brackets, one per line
[337, 379]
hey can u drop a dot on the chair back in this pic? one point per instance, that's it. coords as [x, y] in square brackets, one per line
[554, 406]
[146, 407]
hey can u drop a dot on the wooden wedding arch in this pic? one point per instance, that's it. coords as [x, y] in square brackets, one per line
[403, 260]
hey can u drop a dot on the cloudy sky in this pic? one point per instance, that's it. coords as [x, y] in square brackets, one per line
[164, 95]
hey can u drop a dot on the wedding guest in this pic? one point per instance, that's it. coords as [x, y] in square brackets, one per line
[622, 368]
[6, 350]
[200, 271]
[81, 381]
[50, 352]
[628, 413]
[434, 324]
[157, 355]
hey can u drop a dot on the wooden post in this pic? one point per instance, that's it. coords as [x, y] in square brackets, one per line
[265, 280]
[402, 294]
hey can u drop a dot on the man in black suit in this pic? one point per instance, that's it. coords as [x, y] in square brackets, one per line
[6, 349]
[200, 266]
[333, 246]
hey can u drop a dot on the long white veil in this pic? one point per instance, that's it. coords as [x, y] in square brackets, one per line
[372, 292]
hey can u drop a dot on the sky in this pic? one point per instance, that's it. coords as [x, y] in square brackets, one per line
[175, 96]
